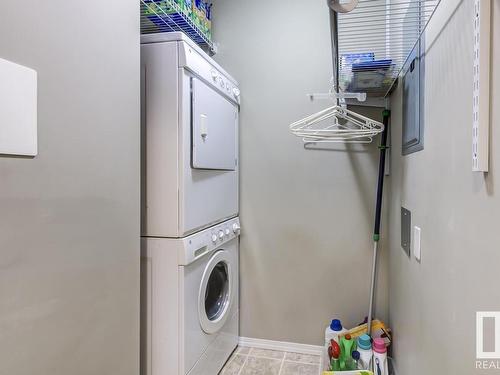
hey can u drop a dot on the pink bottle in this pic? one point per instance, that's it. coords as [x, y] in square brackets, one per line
[380, 357]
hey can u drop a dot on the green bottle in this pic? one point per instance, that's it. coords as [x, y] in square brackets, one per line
[347, 346]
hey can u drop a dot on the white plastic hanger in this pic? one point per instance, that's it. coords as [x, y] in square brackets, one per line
[336, 124]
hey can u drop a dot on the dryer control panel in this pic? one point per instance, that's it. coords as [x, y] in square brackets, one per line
[209, 71]
[199, 244]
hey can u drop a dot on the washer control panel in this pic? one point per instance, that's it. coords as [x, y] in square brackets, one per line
[208, 240]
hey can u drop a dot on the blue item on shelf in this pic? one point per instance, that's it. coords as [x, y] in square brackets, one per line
[372, 65]
[356, 58]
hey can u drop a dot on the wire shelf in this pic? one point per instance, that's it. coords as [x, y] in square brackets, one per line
[158, 16]
[375, 40]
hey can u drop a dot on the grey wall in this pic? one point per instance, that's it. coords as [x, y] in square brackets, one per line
[306, 215]
[433, 303]
[69, 218]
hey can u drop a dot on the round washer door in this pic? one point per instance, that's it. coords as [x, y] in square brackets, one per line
[215, 294]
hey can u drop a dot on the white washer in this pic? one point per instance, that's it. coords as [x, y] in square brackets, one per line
[190, 299]
[190, 110]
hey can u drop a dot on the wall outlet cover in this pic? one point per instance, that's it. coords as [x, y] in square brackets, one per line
[406, 230]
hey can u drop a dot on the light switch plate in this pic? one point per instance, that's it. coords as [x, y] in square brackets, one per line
[18, 109]
[417, 251]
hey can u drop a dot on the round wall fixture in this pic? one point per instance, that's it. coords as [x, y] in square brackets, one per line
[342, 6]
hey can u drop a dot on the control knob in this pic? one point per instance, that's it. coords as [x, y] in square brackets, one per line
[236, 228]
[214, 238]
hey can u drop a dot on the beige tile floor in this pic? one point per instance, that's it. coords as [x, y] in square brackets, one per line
[253, 361]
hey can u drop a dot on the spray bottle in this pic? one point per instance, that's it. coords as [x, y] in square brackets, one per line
[335, 362]
[347, 346]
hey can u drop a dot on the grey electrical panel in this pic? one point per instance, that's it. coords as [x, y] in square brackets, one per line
[413, 101]
[405, 230]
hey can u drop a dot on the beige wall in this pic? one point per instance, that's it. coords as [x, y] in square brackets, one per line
[433, 304]
[69, 218]
[307, 216]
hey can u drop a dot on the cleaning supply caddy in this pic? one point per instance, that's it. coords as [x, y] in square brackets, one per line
[354, 350]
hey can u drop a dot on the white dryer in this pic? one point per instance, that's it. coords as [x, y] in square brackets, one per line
[189, 301]
[190, 138]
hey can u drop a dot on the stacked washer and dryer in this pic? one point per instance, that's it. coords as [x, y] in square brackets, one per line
[190, 225]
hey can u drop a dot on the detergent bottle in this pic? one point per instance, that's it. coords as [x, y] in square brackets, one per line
[380, 357]
[365, 352]
[332, 332]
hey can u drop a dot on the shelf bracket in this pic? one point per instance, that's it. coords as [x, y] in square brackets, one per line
[481, 86]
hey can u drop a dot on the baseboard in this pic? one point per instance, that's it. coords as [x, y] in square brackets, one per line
[281, 346]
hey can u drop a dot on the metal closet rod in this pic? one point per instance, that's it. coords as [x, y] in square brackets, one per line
[397, 3]
[393, 14]
[392, 10]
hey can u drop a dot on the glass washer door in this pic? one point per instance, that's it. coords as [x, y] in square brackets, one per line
[215, 296]
[217, 293]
